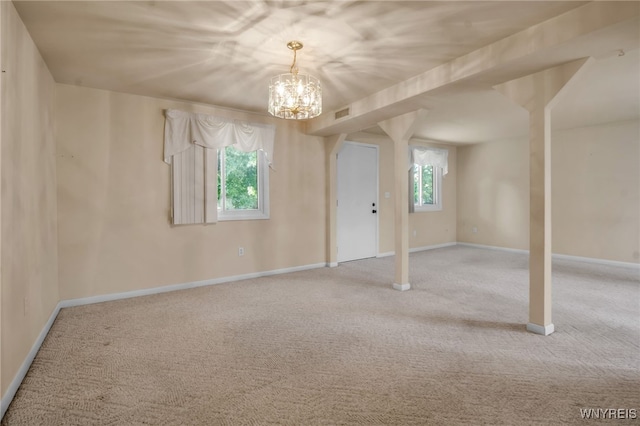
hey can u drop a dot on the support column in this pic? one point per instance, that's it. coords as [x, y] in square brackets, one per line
[400, 129]
[539, 93]
[332, 146]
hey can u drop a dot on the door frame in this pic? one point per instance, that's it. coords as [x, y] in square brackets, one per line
[377, 196]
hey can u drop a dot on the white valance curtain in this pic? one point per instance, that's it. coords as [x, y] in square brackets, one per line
[190, 144]
[423, 156]
[184, 129]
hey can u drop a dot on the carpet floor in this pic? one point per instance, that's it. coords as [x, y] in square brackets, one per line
[339, 346]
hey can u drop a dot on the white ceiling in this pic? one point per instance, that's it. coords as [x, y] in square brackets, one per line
[224, 52]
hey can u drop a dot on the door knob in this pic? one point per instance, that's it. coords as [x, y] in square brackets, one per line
[374, 211]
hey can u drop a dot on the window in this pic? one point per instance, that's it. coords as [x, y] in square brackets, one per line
[427, 187]
[210, 180]
[243, 182]
[429, 167]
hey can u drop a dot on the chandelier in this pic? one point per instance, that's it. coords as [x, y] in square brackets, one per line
[295, 96]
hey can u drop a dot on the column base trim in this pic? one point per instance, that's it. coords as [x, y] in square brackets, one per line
[401, 287]
[543, 330]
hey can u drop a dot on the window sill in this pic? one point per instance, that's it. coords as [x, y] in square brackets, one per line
[252, 215]
[422, 209]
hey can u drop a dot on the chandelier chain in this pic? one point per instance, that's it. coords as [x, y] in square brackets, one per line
[294, 69]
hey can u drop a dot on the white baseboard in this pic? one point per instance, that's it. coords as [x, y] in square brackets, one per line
[557, 256]
[386, 254]
[24, 368]
[596, 261]
[332, 264]
[431, 247]
[401, 287]
[417, 249]
[22, 371]
[507, 249]
[183, 286]
[543, 330]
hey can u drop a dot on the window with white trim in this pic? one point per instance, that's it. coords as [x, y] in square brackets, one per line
[219, 167]
[243, 185]
[427, 187]
[429, 166]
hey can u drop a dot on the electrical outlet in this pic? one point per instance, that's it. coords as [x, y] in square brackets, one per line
[240, 251]
[415, 233]
[474, 230]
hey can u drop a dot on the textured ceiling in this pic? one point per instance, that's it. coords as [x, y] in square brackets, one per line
[224, 52]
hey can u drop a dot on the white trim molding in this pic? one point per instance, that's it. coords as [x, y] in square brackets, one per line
[507, 249]
[401, 287]
[22, 371]
[385, 254]
[543, 330]
[432, 247]
[557, 256]
[184, 286]
[262, 212]
[417, 249]
[597, 261]
[24, 368]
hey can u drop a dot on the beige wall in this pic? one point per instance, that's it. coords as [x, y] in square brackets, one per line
[493, 194]
[438, 227]
[113, 201]
[29, 259]
[595, 192]
[430, 228]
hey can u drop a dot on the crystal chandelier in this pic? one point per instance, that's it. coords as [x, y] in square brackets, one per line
[295, 96]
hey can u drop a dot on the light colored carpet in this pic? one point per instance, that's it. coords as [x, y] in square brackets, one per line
[340, 346]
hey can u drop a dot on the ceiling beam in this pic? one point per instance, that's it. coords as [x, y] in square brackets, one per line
[397, 99]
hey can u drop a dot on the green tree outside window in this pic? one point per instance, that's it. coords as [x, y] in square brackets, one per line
[423, 191]
[240, 183]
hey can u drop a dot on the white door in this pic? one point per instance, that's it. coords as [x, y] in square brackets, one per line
[357, 219]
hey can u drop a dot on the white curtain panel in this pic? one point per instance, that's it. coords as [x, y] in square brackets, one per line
[193, 175]
[190, 144]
